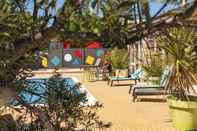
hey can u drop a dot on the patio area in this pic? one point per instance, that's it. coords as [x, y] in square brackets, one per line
[125, 115]
[151, 114]
[136, 58]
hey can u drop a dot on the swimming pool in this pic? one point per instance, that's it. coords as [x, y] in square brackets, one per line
[36, 89]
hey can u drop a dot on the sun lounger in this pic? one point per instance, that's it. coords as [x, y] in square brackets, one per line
[135, 76]
[145, 89]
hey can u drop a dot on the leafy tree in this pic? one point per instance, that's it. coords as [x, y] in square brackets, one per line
[24, 31]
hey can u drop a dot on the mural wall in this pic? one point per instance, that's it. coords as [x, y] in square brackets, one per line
[73, 57]
[58, 56]
[55, 55]
[93, 56]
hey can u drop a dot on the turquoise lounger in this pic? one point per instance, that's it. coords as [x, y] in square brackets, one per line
[134, 76]
[145, 89]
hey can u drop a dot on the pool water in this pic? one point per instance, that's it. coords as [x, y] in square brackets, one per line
[36, 89]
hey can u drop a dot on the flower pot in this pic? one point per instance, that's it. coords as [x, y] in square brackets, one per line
[121, 73]
[184, 114]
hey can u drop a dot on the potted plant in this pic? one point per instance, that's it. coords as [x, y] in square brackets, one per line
[119, 61]
[180, 45]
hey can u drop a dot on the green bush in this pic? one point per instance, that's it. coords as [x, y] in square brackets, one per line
[63, 104]
[154, 66]
[119, 58]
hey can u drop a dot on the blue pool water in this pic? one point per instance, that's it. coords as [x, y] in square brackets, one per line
[36, 88]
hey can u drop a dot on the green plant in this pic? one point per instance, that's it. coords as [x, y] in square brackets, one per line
[63, 108]
[118, 58]
[180, 44]
[154, 66]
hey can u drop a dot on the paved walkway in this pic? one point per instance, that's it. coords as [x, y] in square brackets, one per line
[126, 115]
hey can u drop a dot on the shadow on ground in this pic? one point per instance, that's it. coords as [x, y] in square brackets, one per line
[151, 100]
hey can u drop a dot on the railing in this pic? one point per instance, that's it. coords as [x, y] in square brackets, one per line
[90, 73]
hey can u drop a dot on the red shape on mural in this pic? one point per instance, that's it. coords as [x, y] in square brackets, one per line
[78, 53]
[66, 45]
[93, 45]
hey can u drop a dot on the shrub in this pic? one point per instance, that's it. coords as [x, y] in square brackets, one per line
[119, 58]
[63, 108]
[154, 66]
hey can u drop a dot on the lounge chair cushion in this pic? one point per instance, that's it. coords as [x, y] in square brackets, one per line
[149, 91]
[140, 85]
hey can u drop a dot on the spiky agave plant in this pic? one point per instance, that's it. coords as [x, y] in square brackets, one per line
[180, 44]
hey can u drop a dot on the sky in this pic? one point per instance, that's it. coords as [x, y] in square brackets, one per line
[154, 6]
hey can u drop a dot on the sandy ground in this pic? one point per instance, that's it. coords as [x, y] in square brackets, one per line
[125, 115]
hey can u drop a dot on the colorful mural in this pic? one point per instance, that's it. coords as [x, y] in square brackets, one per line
[55, 55]
[94, 56]
[73, 57]
[60, 55]
[44, 62]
